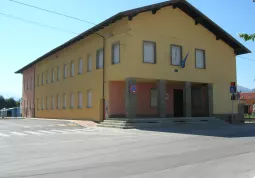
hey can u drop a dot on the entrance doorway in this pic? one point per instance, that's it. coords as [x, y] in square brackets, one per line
[178, 103]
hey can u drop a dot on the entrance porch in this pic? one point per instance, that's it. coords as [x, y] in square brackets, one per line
[161, 98]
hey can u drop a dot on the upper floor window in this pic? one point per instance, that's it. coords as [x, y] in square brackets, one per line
[89, 63]
[100, 59]
[72, 69]
[79, 99]
[27, 84]
[52, 75]
[47, 77]
[72, 101]
[80, 66]
[31, 83]
[149, 52]
[38, 80]
[42, 79]
[116, 53]
[176, 55]
[200, 59]
[65, 71]
[58, 74]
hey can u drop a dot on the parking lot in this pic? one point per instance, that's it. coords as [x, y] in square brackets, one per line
[48, 148]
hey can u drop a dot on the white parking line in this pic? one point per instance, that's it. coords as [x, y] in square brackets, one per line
[47, 132]
[59, 131]
[34, 133]
[18, 133]
[3, 135]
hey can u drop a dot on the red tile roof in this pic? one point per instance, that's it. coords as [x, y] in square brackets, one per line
[247, 96]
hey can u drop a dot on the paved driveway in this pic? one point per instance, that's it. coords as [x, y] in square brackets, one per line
[38, 148]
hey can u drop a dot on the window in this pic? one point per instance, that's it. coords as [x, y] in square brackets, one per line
[154, 97]
[65, 71]
[79, 99]
[42, 79]
[149, 52]
[72, 101]
[200, 59]
[27, 84]
[28, 104]
[176, 55]
[52, 102]
[80, 66]
[37, 104]
[196, 97]
[89, 63]
[47, 103]
[58, 74]
[100, 59]
[89, 99]
[42, 103]
[58, 102]
[72, 69]
[52, 75]
[31, 83]
[38, 80]
[47, 77]
[116, 53]
[64, 101]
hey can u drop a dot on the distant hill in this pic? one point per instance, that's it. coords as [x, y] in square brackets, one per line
[243, 89]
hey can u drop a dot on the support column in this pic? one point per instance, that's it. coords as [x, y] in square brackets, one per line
[187, 99]
[210, 99]
[161, 87]
[130, 99]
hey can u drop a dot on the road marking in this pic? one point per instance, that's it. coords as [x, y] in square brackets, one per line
[34, 133]
[48, 132]
[3, 135]
[18, 133]
[59, 131]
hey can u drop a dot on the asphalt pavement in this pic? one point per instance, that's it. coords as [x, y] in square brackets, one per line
[52, 148]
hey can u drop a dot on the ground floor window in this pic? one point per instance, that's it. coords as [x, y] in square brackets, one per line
[154, 97]
[89, 99]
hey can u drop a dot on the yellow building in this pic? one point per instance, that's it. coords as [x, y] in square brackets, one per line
[163, 60]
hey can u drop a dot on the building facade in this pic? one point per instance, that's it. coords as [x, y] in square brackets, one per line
[28, 109]
[163, 60]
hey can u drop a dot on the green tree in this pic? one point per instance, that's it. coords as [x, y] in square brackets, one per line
[2, 102]
[247, 37]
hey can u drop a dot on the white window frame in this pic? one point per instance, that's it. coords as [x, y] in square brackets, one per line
[65, 71]
[203, 65]
[71, 100]
[80, 100]
[89, 99]
[72, 69]
[116, 53]
[174, 59]
[80, 66]
[89, 63]
[149, 56]
[100, 59]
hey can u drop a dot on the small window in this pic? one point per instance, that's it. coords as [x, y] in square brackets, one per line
[37, 104]
[58, 102]
[47, 77]
[72, 101]
[58, 74]
[200, 59]
[64, 101]
[27, 84]
[79, 99]
[65, 71]
[72, 69]
[116, 53]
[42, 103]
[154, 97]
[80, 67]
[89, 63]
[100, 59]
[52, 102]
[176, 55]
[47, 103]
[89, 99]
[42, 79]
[52, 75]
[31, 83]
[38, 80]
[149, 52]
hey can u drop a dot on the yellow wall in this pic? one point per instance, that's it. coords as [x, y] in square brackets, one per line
[168, 26]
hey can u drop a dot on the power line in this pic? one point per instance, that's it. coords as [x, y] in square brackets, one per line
[246, 58]
[36, 23]
[53, 12]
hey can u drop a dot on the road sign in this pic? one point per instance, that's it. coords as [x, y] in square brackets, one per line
[232, 89]
[132, 88]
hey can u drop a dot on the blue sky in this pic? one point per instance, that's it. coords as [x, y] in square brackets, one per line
[21, 43]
